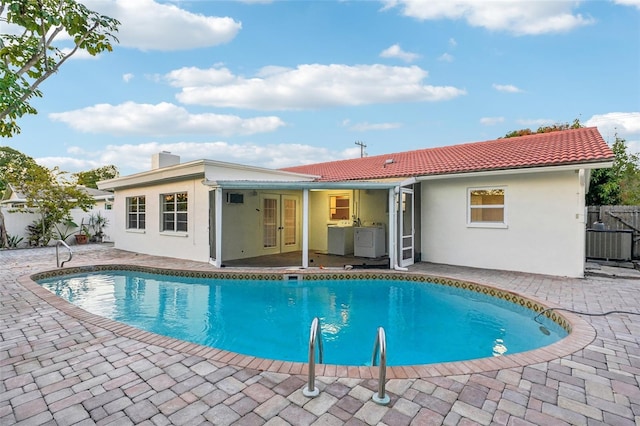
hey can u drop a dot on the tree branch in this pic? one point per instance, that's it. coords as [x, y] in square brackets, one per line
[36, 58]
[29, 53]
[43, 34]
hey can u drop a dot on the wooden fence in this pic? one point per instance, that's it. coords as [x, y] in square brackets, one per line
[618, 218]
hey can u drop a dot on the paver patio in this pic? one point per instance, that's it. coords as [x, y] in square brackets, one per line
[58, 369]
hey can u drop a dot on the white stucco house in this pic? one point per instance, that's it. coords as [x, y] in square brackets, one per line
[511, 204]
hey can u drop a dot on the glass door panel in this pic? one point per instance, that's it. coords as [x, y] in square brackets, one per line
[406, 226]
[269, 222]
[289, 224]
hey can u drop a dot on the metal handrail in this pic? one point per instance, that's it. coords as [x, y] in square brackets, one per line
[58, 264]
[314, 337]
[380, 347]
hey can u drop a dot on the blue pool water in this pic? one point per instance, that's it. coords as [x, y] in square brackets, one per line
[424, 323]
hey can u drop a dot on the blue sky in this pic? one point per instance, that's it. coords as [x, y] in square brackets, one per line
[283, 83]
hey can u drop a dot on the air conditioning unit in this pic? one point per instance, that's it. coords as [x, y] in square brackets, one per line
[609, 245]
[235, 198]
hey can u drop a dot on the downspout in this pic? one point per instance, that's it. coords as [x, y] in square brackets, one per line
[393, 193]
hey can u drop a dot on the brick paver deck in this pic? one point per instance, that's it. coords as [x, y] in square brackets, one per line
[56, 368]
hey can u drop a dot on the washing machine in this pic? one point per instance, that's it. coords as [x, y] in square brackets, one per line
[340, 240]
[369, 241]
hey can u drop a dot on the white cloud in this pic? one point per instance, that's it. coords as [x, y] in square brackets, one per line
[162, 119]
[446, 57]
[127, 77]
[396, 51]
[308, 87]
[507, 88]
[490, 121]
[137, 158]
[148, 25]
[624, 124]
[518, 17]
[628, 122]
[216, 76]
[365, 126]
[635, 3]
[70, 164]
[453, 42]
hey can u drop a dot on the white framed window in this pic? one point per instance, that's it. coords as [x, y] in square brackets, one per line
[487, 207]
[136, 212]
[339, 207]
[174, 212]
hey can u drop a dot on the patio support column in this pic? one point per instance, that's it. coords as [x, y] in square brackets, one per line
[393, 226]
[218, 214]
[305, 228]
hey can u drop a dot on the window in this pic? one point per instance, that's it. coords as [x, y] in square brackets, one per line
[174, 212]
[136, 212]
[339, 207]
[487, 207]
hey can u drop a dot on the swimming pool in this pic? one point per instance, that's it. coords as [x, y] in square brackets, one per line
[268, 317]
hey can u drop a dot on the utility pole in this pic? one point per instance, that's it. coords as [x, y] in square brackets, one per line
[362, 147]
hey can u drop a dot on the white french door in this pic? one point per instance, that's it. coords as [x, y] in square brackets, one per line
[406, 226]
[280, 227]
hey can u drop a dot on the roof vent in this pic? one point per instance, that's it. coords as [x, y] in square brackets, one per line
[388, 161]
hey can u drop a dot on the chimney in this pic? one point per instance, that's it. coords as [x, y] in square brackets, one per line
[164, 159]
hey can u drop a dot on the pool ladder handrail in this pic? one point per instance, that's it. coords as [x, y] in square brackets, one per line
[315, 336]
[380, 348]
[58, 264]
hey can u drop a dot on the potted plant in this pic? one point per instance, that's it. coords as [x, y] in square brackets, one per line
[97, 223]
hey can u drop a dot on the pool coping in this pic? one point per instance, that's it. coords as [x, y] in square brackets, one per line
[581, 335]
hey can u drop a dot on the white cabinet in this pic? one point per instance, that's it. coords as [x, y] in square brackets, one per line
[340, 240]
[369, 241]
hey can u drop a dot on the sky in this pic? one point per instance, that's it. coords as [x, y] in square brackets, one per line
[285, 83]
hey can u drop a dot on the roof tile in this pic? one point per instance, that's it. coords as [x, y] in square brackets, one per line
[576, 146]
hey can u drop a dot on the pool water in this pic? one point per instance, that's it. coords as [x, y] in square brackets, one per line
[424, 322]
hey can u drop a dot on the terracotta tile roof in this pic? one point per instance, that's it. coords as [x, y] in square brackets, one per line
[577, 146]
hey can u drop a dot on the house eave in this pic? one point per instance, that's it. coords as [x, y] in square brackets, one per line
[191, 170]
[183, 171]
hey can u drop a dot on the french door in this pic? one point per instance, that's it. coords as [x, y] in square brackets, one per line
[280, 227]
[406, 226]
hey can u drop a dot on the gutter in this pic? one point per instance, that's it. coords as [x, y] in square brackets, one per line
[500, 172]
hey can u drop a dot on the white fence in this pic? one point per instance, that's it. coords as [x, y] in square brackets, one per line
[16, 223]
